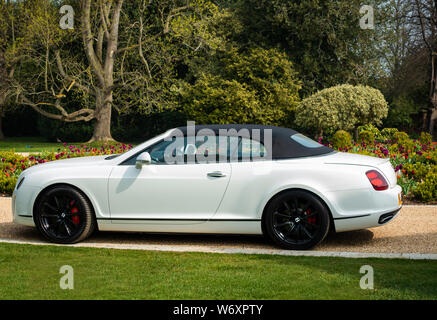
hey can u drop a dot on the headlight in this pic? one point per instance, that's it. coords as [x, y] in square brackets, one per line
[20, 183]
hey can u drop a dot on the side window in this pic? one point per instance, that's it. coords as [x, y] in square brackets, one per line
[251, 150]
[183, 150]
[159, 151]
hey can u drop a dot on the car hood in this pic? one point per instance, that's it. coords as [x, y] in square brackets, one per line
[72, 162]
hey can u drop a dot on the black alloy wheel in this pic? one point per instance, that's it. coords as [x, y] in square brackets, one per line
[296, 220]
[64, 215]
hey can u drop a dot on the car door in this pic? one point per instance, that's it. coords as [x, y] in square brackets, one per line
[251, 180]
[162, 191]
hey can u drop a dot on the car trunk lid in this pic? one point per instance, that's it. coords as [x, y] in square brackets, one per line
[382, 164]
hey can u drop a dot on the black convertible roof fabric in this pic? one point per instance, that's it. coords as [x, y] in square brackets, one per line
[283, 146]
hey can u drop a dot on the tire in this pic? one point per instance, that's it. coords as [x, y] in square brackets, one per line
[296, 220]
[64, 215]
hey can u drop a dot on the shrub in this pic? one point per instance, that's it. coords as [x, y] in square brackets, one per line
[341, 107]
[426, 138]
[388, 133]
[401, 137]
[7, 184]
[419, 170]
[9, 156]
[341, 139]
[427, 189]
[370, 127]
[367, 136]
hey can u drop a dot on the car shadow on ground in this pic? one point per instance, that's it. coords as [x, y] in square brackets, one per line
[16, 232]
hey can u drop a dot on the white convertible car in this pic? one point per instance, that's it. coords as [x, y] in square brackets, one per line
[221, 179]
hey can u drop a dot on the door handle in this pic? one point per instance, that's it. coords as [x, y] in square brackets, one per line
[216, 174]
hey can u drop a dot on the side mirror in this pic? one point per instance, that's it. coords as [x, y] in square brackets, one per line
[143, 159]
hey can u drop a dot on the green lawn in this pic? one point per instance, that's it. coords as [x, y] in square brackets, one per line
[29, 144]
[32, 272]
[38, 144]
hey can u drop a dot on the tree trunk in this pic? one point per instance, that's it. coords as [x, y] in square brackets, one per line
[2, 136]
[432, 120]
[431, 114]
[102, 128]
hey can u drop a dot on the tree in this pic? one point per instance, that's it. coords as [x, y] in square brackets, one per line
[122, 55]
[259, 86]
[322, 38]
[343, 107]
[424, 18]
[8, 15]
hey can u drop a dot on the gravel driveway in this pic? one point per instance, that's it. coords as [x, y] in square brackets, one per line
[413, 231]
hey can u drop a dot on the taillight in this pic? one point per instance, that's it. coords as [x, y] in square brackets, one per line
[377, 180]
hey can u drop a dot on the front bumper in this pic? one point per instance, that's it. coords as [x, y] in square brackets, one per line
[22, 204]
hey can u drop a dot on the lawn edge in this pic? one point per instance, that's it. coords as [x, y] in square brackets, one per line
[274, 252]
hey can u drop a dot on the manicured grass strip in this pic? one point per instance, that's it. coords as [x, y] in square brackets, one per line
[32, 272]
[39, 144]
[30, 144]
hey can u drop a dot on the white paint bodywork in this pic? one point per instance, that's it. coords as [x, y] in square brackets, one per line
[182, 198]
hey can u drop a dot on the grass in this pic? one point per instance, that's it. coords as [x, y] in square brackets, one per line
[37, 145]
[32, 272]
[29, 144]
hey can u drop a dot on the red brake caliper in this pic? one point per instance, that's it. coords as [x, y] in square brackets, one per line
[74, 211]
[310, 219]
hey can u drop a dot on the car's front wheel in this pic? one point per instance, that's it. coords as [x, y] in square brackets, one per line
[64, 215]
[296, 220]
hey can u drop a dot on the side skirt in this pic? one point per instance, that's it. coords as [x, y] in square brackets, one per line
[183, 226]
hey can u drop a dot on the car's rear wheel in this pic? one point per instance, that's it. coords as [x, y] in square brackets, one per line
[64, 215]
[296, 220]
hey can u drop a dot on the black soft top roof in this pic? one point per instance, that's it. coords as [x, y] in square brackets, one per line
[283, 146]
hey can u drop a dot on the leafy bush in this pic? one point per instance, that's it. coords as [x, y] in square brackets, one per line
[427, 189]
[426, 138]
[370, 127]
[388, 133]
[401, 137]
[7, 184]
[341, 139]
[419, 170]
[343, 107]
[367, 136]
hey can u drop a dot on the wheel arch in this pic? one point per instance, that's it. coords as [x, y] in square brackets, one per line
[62, 184]
[278, 193]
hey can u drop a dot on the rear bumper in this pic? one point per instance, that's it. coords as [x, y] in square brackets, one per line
[383, 209]
[364, 221]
